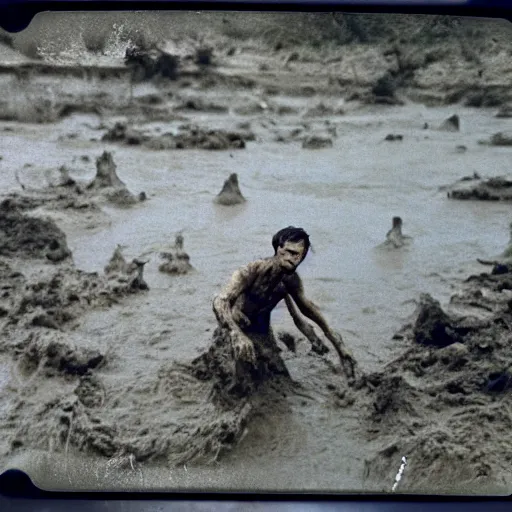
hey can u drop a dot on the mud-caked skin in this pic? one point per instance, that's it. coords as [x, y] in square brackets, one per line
[245, 305]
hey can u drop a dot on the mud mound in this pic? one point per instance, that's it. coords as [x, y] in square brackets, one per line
[442, 451]
[433, 326]
[132, 274]
[189, 137]
[78, 422]
[501, 139]
[153, 62]
[176, 261]
[232, 379]
[210, 401]
[32, 237]
[57, 358]
[392, 137]
[200, 105]
[451, 377]
[211, 139]
[63, 423]
[317, 142]
[322, 110]
[117, 263]
[452, 124]
[251, 108]
[230, 193]
[107, 182]
[62, 191]
[285, 110]
[297, 134]
[20, 203]
[485, 98]
[120, 132]
[493, 189]
[106, 175]
[56, 300]
[505, 112]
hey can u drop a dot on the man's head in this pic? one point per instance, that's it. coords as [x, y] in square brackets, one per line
[291, 246]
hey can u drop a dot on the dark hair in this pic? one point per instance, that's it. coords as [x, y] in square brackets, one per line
[291, 234]
[397, 221]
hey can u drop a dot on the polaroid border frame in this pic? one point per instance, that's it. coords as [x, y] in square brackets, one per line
[17, 491]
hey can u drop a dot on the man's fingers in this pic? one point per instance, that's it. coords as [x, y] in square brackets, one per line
[244, 349]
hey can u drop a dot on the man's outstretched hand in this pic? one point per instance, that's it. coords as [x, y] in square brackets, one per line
[244, 348]
[348, 362]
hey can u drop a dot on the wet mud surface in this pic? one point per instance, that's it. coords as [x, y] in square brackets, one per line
[115, 364]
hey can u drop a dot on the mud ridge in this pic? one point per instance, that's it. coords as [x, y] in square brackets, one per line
[24, 236]
[215, 402]
[475, 188]
[455, 372]
[66, 193]
[189, 137]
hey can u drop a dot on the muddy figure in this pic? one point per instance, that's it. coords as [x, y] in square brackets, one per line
[243, 309]
[394, 236]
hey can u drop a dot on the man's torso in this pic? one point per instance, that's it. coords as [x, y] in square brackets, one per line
[262, 296]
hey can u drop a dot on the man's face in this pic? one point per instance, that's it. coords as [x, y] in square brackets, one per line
[290, 255]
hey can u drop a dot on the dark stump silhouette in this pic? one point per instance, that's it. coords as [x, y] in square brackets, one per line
[230, 193]
[452, 124]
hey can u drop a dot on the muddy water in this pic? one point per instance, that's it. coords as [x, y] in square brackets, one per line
[344, 197]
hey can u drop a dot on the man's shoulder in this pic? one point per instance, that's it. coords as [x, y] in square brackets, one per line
[292, 280]
[253, 267]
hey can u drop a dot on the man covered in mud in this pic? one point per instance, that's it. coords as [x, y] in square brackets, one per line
[244, 306]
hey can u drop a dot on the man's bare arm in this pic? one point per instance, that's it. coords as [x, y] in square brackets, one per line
[222, 303]
[222, 307]
[310, 310]
[316, 343]
[306, 307]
